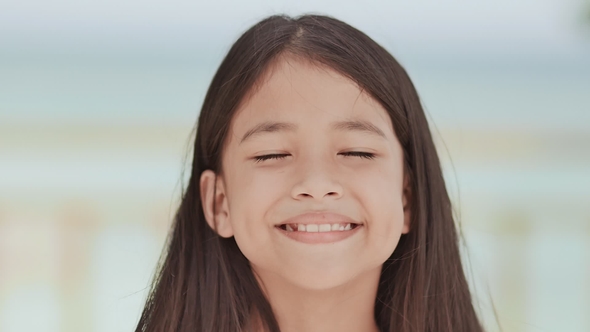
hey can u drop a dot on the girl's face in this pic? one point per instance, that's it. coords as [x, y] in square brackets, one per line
[314, 118]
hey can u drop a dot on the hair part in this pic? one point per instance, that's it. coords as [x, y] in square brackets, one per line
[204, 282]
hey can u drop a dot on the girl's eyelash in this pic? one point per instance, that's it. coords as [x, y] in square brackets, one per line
[270, 156]
[365, 155]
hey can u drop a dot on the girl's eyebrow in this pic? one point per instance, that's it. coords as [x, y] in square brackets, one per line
[359, 126]
[269, 127]
[347, 125]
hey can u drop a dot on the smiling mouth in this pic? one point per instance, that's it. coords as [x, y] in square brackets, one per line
[318, 228]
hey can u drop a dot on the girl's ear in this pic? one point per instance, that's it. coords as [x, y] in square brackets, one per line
[213, 196]
[406, 201]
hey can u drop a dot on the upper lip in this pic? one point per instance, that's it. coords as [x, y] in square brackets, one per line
[319, 218]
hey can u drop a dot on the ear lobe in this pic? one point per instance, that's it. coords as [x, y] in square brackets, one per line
[214, 202]
[406, 199]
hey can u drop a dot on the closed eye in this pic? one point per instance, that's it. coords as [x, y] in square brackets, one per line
[270, 156]
[365, 155]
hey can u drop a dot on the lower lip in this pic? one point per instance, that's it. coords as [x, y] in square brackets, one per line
[320, 237]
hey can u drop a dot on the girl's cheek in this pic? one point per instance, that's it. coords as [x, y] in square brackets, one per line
[261, 185]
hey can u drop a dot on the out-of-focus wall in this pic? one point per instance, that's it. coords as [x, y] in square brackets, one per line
[97, 104]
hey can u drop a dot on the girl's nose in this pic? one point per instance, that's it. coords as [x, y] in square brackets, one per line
[317, 180]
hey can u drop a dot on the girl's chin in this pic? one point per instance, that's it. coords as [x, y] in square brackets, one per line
[329, 278]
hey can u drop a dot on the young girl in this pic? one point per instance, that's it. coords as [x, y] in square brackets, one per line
[316, 200]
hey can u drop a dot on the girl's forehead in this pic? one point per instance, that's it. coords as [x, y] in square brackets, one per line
[310, 94]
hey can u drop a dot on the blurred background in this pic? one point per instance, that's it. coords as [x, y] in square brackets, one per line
[98, 99]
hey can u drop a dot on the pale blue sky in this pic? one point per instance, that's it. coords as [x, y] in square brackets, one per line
[502, 63]
[500, 26]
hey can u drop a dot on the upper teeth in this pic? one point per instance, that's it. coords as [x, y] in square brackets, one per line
[318, 227]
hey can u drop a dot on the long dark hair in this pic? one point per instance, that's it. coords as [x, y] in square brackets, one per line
[204, 282]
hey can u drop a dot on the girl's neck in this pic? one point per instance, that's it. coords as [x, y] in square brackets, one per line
[348, 307]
